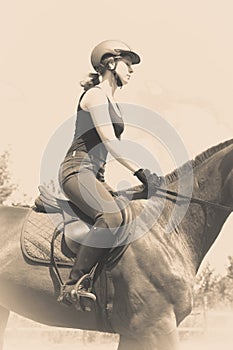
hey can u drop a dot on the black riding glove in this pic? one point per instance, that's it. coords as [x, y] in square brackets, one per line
[143, 175]
[147, 178]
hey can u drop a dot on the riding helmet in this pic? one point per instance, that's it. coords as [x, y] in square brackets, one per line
[114, 48]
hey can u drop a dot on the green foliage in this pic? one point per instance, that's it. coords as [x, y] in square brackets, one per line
[6, 187]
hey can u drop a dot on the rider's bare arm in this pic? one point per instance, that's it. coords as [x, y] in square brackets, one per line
[97, 104]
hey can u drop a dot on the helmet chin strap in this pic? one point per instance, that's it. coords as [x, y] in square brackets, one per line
[111, 66]
[118, 80]
[116, 76]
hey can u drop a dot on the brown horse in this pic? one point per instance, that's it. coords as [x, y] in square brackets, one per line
[153, 280]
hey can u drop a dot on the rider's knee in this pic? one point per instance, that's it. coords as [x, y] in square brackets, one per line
[112, 221]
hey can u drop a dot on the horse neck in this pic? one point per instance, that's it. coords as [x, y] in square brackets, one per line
[202, 223]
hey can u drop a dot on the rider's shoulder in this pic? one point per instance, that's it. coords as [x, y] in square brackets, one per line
[94, 97]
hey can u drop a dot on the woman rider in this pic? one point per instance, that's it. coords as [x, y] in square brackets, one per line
[99, 126]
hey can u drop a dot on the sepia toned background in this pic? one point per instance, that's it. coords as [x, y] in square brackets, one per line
[186, 74]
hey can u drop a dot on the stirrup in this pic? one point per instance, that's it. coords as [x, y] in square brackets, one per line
[81, 291]
[67, 297]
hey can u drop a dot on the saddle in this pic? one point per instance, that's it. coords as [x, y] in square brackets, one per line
[45, 241]
[48, 231]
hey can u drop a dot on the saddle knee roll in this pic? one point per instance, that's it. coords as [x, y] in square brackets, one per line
[75, 234]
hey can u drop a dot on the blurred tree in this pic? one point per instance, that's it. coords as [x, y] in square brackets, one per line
[212, 290]
[6, 187]
[207, 287]
[230, 267]
[226, 285]
[53, 187]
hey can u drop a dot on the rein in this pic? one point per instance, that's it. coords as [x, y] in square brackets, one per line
[194, 200]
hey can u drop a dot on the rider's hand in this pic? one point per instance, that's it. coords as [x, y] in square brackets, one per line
[147, 178]
[143, 175]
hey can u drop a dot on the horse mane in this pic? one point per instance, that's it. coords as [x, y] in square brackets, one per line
[199, 159]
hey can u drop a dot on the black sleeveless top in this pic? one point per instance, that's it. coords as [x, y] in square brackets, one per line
[86, 138]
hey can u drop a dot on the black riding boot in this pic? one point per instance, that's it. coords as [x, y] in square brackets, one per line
[87, 258]
[99, 240]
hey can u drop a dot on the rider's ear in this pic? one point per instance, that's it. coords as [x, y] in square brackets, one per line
[112, 64]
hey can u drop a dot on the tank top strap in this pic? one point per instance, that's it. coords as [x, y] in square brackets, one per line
[109, 101]
[81, 97]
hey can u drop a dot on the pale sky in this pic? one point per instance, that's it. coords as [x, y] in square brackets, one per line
[186, 74]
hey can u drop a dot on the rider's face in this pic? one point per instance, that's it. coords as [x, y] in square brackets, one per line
[124, 69]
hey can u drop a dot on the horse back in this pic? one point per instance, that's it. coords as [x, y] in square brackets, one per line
[11, 223]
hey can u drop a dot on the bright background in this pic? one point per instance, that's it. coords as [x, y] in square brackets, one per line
[186, 73]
